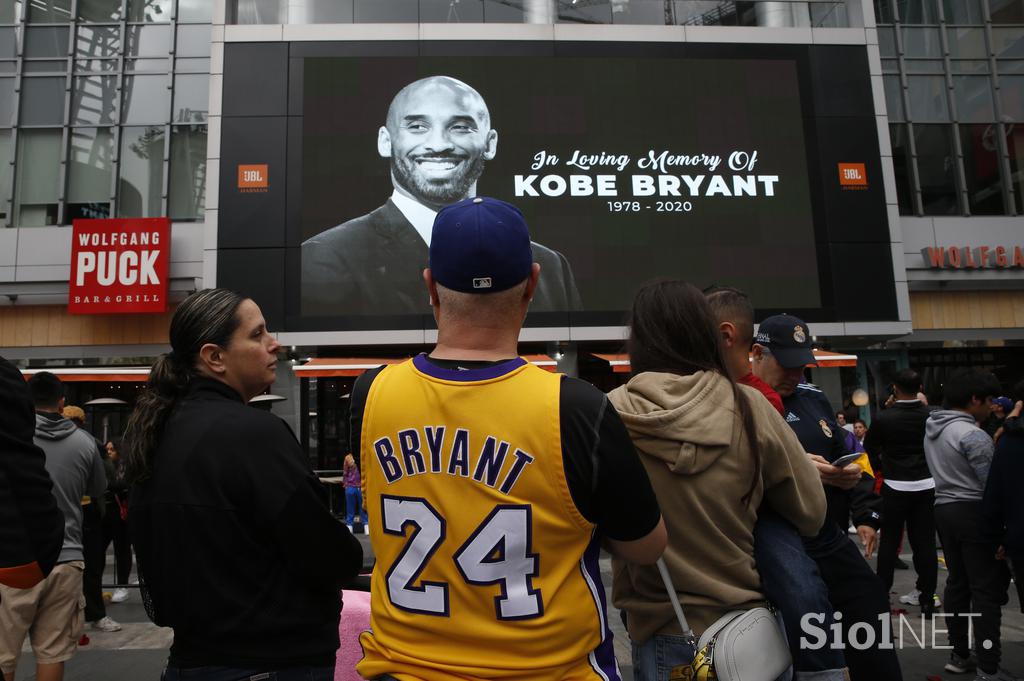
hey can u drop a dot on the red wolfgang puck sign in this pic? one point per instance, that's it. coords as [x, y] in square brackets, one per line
[119, 265]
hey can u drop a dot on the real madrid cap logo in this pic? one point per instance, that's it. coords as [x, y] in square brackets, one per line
[799, 335]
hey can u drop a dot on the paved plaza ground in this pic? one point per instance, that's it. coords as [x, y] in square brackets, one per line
[138, 652]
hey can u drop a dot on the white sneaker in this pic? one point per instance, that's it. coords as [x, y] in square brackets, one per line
[119, 596]
[106, 624]
[911, 598]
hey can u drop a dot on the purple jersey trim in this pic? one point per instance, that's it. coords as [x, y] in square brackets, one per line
[603, 657]
[423, 365]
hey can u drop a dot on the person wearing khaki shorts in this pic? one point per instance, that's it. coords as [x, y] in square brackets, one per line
[50, 613]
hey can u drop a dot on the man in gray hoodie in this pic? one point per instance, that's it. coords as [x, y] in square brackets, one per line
[52, 610]
[959, 455]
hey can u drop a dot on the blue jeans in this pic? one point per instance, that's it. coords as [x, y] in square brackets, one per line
[353, 505]
[654, 660]
[794, 586]
[232, 674]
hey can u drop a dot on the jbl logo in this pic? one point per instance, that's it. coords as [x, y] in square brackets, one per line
[482, 282]
[253, 176]
[852, 175]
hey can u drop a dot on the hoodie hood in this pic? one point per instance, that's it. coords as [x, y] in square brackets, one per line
[940, 419]
[678, 419]
[53, 429]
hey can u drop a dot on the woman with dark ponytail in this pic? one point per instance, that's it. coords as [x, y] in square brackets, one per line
[713, 450]
[236, 548]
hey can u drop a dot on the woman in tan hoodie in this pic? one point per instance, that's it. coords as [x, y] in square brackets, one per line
[714, 450]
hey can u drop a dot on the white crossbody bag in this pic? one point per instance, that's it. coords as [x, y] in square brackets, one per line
[743, 645]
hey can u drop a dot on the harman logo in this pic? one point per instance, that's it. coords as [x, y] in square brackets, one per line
[253, 178]
[853, 176]
[482, 282]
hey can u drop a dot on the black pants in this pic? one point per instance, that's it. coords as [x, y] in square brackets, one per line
[115, 529]
[857, 593]
[977, 582]
[93, 549]
[917, 510]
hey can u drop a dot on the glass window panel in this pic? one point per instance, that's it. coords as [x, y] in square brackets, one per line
[97, 41]
[922, 43]
[149, 41]
[146, 65]
[375, 11]
[94, 65]
[497, 11]
[969, 66]
[92, 100]
[1015, 144]
[924, 66]
[338, 11]
[981, 169]
[10, 12]
[193, 41]
[883, 12]
[901, 166]
[99, 10]
[1006, 11]
[447, 12]
[46, 41]
[973, 99]
[191, 98]
[887, 41]
[140, 185]
[8, 43]
[936, 163]
[150, 11]
[5, 173]
[45, 66]
[927, 95]
[195, 10]
[967, 43]
[8, 66]
[187, 194]
[192, 65]
[829, 15]
[963, 11]
[146, 99]
[918, 12]
[37, 177]
[261, 12]
[49, 11]
[894, 98]
[6, 102]
[890, 66]
[687, 13]
[1008, 43]
[42, 101]
[649, 13]
[1011, 96]
[90, 165]
[1011, 66]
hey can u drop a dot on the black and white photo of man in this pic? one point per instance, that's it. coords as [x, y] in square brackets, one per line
[438, 138]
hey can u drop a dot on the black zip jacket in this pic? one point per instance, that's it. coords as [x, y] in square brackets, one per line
[236, 548]
[896, 439]
[1003, 504]
[31, 525]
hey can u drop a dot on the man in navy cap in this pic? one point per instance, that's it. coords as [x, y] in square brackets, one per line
[491, 482]
[782, 349]
[437, 137]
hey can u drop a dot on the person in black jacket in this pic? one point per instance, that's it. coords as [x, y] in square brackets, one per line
[896, 440]
[235, 546]
[1002, 505]
[31, 525]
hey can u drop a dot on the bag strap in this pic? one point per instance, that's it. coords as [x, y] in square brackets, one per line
[688, 634]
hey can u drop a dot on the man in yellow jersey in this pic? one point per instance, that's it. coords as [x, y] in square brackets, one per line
[491, 483]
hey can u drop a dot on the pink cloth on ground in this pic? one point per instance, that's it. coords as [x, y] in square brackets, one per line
[355, 619]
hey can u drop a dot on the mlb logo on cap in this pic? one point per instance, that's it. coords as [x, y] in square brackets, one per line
[480, 245]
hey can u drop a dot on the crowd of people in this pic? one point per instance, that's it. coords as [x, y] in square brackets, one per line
[718, 479]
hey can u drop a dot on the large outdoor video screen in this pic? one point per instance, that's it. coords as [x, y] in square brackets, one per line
[630, 163]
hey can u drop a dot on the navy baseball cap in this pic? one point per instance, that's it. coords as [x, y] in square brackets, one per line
[480, 245]
[788, 338]
[1005, 402]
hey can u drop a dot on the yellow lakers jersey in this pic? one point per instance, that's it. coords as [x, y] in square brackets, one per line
[485, 567]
